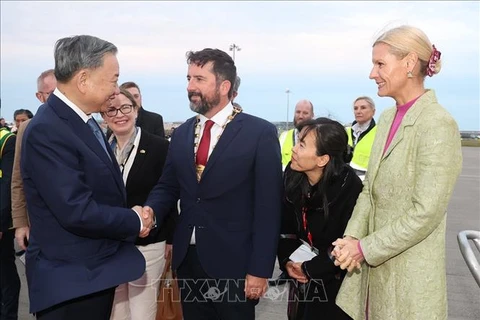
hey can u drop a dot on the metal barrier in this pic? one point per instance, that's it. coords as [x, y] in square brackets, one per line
[467, 251]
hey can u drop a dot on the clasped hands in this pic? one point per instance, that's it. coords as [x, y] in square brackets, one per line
[347, 254]
[148, 219]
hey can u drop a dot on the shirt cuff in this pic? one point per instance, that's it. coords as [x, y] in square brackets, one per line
[139, 217]
[359, 246]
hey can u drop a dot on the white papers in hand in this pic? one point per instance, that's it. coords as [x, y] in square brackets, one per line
[303, 253]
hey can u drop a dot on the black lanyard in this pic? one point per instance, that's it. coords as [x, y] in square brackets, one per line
[122, 166]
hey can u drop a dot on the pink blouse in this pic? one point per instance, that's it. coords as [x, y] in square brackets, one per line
[401, 111]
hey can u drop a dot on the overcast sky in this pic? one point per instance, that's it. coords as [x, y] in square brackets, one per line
[319, 50]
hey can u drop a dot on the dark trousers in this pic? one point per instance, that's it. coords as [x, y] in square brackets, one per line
[9, 280]
[211, 299]
[95, 306]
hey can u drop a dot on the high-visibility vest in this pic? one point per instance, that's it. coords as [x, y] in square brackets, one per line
[287, 141]
[4, 135]
[361, 151]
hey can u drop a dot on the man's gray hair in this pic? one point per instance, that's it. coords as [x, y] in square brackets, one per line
[43, 75]
[79, 52]
[236, 85]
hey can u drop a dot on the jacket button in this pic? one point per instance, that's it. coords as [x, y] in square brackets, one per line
[190, 226]
[198, 200]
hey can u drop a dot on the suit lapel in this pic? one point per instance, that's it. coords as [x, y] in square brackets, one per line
[228, 134]
[396, 140]
[377, 149]
[117, 174]
[377, 155]
[83, 131]
[139, 157]
[408, 120]
[188, 147]
[107, 158]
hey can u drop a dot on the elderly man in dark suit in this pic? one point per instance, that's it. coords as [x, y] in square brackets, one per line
[224, 165]
[82, 233]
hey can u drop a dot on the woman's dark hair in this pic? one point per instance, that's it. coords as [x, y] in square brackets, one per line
[331, 139]
[27, 112]
[129, 96]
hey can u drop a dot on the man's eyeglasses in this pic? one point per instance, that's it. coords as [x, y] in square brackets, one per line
[124, 108]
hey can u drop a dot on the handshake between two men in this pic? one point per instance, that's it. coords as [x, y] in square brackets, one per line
[148, 218]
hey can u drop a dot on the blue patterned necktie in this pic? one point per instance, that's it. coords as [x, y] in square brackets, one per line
[98, 134]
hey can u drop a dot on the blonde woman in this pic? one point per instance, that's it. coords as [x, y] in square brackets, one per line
[397, 231]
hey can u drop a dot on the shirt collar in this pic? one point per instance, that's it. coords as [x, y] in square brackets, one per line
[221, 117]
[72, 105]
[357, 127]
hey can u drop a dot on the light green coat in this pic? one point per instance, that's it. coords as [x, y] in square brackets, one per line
[400, 217]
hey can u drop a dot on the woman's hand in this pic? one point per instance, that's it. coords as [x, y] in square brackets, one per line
[294, 270]
[347, 254]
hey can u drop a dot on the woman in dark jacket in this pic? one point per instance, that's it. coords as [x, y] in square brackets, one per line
[141, 157]
[320, 193]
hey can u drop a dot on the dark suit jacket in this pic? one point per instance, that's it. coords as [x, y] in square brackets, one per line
[150, 122]
[236, 206]
[6, 167]
[82, 234]
[146, 169]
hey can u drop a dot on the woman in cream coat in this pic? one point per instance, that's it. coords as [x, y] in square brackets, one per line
[395, 240]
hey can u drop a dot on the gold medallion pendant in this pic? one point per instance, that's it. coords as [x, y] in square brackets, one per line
[200, 169]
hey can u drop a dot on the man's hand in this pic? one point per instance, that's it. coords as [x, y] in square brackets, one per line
[148, 215]
[255, 287]
[21, 234]
[146, 222]
[147, 219]
[294, 270]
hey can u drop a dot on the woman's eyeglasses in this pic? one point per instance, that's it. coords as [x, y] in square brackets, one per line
[124, 108]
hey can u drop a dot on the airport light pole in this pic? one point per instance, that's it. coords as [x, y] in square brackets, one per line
[288, 106]
[233, 48]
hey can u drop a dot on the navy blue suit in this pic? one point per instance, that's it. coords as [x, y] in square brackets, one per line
[235, 209]
[82, 235]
